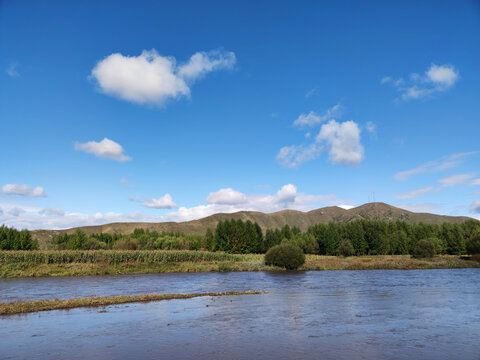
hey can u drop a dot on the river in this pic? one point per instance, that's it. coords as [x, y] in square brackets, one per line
[394, 314]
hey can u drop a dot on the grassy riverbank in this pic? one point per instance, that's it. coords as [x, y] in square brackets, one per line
[45, 305]
[14, 264]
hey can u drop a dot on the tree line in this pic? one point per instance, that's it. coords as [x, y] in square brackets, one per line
[360, 237]
[12, 239]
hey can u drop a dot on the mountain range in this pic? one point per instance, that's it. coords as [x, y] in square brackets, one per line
[374, 211]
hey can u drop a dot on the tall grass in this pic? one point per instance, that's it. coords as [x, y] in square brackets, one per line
[111, 256]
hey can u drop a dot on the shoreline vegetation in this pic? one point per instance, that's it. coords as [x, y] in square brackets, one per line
[24, 307]
[39, 263]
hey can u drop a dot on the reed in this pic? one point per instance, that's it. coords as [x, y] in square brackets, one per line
[111, 256]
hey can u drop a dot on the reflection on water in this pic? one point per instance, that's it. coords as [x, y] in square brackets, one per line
[430, 314]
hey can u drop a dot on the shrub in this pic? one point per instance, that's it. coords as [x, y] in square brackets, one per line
[346, 248]
[425, 249]
[285, 255]
[127, 244]
[476, 257]
[225, 267]
[473, 245]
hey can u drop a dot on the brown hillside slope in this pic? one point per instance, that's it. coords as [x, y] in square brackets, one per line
[378, 211]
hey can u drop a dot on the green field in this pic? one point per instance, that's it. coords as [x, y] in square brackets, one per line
[14, 264]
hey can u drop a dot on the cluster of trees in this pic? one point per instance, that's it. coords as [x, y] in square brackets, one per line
[12, 239]
[238, 237]
[140, 239]
[361, 237]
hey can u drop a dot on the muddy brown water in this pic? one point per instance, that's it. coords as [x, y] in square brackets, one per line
[428, 314]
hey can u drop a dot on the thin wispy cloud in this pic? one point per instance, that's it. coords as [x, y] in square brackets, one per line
[312, 118]
[457, 179]
[311, 92]
[415, 193]
[151, 78]
[445, 163]
[12, 70]
[295, 155]
[437, 79]
[105, 149]
[475, 207]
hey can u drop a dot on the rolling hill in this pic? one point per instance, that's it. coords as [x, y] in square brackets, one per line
[374, 211]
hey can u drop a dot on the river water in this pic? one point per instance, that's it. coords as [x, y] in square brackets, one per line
[394, 314]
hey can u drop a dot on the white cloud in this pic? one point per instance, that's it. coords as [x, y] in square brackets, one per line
[385, 79]
[420, 207]
[151, 78]
[445, 163]
[313, 118]
[457, 179]
[133, 198]
[415, 193]
[285, 198]
[371, 127]
[475, 182]
[437, 78]
[106, 149]
[16, 211]
[126, 183]
[12, 70]
[202, 63]
[226, 196]
[445, 75]
[311, 92]
[294, 155]
[52, 211]
[165, 202]
[343, 140]
[475, 207]
[23, 190]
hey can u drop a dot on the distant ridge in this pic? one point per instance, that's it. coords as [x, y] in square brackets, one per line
[374, 211]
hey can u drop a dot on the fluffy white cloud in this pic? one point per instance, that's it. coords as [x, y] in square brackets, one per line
[165, 202]
[445, 75]
[106, 149]
[445, 163]
[226, 196]
[457, 179]
[313, 118]
[287, 197]
[294, 155]
[415, 193]
[343, 140]
[23, 190]
[475, 207]
[151, 78]
[437, 78]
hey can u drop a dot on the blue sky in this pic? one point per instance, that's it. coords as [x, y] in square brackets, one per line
[155, 111]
